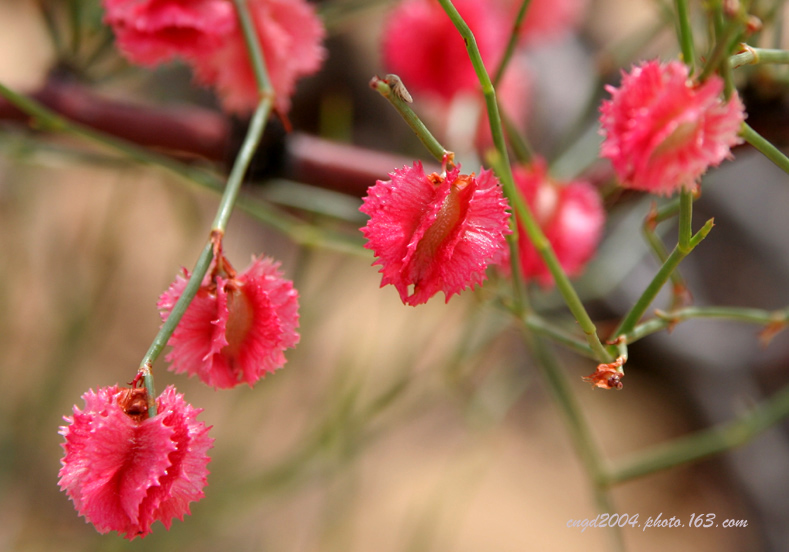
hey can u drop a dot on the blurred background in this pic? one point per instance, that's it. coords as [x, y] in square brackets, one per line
[390, 428]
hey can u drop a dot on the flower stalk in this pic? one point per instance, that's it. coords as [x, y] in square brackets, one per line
[522, 210]
[385, 88]
[240, 166]
[654, 287]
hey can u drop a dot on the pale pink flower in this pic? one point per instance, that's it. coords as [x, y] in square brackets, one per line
[237, 327]
[154, 31]
[435, 233]
[570, 215]
[123, 470]
[422, 46]
[663, 131]
[291, 37]
[548, 19]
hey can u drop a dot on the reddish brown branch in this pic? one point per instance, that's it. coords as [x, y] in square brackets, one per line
[194, 132]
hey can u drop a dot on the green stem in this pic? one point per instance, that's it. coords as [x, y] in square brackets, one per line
[255, 51]
[540, 326]
[651, 291]
[704, 443]
[522, 210]
[756, 56]
[428, 140]
[736, 314]
[685, 219]
[514, 37]
[660, 252]
[244, 158]
[763, 145]
[577, 426]
[240, 166]
[726, 38]
[685, 32]
[520, 146]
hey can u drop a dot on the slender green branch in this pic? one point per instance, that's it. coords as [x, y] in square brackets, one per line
[685, 219]
[514, 36]
[702, 444]
[765, 146]
[254, 49]
[580, 432]
[521, 301]
[756, 56]
[201, 267]
[660, 252]
[667, 211]
[736, 314]
[651, 291]
[425, 136]
[723, 67]
[725, 42]
[520, 146]
[240, 166]
[685, 32]
[244, 158]
[522, 210]
[540, 326]
[167, 329]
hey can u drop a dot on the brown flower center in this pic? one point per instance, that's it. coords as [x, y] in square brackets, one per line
[239, 320]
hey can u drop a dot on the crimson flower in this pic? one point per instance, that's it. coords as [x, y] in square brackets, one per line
[237, 327]
[663, 131]
[207, 35]
[435, 233]
[291, 37]
[123, 470]
[570, 215]
[548, 19]
[150, 32]
[422, 46]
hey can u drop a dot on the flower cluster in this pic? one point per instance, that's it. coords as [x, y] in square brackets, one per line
[124, 470]
[207, 35]
[663, 131]
[435, 232]
[125, 467]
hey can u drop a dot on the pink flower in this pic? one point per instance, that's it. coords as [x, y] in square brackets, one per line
[291, 37]
[124, 470]
[422, 46]
[548, 19]
[662, 131]
[570, 215]
[435, 233]
[237, 328]
[154, 31]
